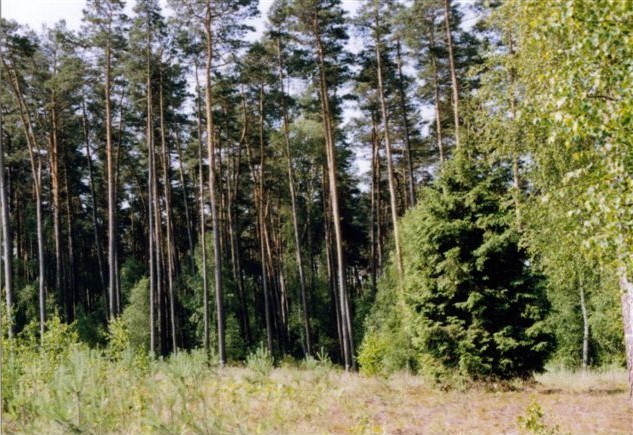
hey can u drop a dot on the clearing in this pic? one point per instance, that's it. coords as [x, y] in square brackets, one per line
[183, 395]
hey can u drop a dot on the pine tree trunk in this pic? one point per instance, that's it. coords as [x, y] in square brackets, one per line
[93, 199]
[283, 290]
[112, 209]
[453, 69]
[261, 223]
[264, 275]
[117, 167]
[405, 120]
[185, 196]
[71, 283]
[331, 268]
[157, 236]
[221, 192]
[236, 265]
[390, 171]
[169, 242]
[40, 245]
[6, 226]
[55, 191]
[212, 189]
[436, 91]
[374, 211]
[36, 170]
[151, 200]
[293, 205]
[274, 310]
[203, 242]
[336, 215]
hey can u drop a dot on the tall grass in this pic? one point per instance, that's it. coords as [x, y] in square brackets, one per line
[604, 379]
[65, 387]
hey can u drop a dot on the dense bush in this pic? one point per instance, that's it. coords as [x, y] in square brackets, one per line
[469, 303]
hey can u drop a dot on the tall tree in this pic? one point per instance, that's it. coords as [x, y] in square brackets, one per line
[322, 23]
[6, 254]
[256, 73]
[104, 19]
[473, 305]
[377, 30]
[279, 34]
[453, 69]
[62, 96]
[220, 23]
[20, 55]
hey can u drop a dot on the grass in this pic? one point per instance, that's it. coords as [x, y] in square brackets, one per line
[92, 394]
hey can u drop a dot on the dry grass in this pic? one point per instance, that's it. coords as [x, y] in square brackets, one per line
[185, 396]
[294, 401]
[575, 403]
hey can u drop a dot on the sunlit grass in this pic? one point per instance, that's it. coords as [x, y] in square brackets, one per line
[130, 394]
[608, 380]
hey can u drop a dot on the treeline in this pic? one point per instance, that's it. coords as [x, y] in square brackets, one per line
[171, 170]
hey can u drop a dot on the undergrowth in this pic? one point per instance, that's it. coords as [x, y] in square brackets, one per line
[62, 386]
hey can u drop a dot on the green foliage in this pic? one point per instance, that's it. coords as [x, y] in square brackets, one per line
[606, 326]
[321, 362]
[28, 364]
[575, 66]
[90, 329]
[478, 309]
[533, 422]
[260, 362]
[135, 317]
[59, 338]
[132, 272]
[87, 391]
[567, 78]
[386, 346]
[118, 338]
[473, 307]
[235, 345]
[604, 317]
[371, 354]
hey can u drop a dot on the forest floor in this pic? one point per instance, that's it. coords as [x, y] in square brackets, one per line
[91, 395]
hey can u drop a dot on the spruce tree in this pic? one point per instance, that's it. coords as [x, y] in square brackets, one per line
[473, 307]
[477, 308]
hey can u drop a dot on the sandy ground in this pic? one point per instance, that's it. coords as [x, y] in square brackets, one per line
[571, 403]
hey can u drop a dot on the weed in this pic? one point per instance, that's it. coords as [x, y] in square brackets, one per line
[260, 363]
[533, 422]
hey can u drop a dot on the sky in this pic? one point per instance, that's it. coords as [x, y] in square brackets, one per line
[35, 13]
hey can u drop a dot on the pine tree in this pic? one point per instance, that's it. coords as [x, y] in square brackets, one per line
[5, 236]
[21, 61]
[320, 26]
[280, 39]
[220, 24]
[104, 21]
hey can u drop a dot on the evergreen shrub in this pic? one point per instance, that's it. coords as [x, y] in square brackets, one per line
[469, 304]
